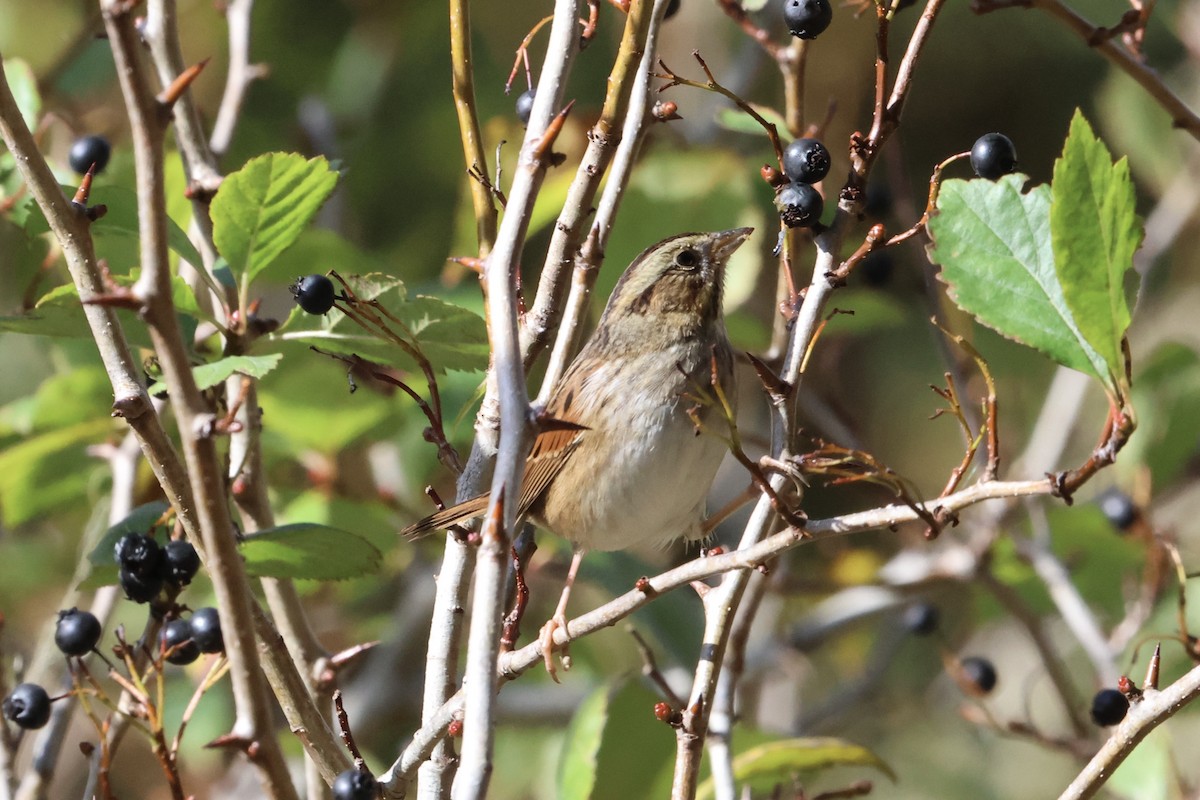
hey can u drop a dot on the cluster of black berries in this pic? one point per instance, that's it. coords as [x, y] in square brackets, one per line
[805, 162]
[184, 639]
[145, 568]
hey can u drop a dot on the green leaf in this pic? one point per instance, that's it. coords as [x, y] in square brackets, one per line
[23, 84]
[993, 244]
[260, 210]
[577, 763]
[308, 551]
[209, 375]
[1095, 233]
[777, 762]
[43, 473]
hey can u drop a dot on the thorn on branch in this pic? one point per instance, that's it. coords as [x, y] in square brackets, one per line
[169, 96]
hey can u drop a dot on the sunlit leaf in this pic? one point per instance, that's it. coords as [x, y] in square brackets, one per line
[308, 551]
[778, 762]
[577, 763]
[209, 375]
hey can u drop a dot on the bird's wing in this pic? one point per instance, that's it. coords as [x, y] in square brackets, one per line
[550, 452]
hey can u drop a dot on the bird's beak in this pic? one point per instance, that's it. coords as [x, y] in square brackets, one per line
[725, 242]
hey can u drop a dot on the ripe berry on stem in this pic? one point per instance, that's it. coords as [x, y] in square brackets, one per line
[206, 630]
[525, 105]
[1109, 707]
[28, 706]
[183, 562]
[178, 634]
[993, 155]
[979, 674]
[806, 161]
[89, 150]
[314, 293]
[142, 567]
[354, 784]
[77, 632]
[1118, 508]
[800, 205]
[921, 619]
[807, 19]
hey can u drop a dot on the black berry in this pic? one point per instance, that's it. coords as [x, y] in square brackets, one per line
[672, 9]
[28, 706]
[979, 674]
[921, 619]
[355, 785]
[993, 155]
[800, 205]
[314, 293]
[143, 567]
[1109, 707]
[807, 19]
[525, 105]
[183, 562]
[77, 632]
[1118, 508]
[140, 590]
[206, 630]
[806, 161]
[89, 150]
[178, 634]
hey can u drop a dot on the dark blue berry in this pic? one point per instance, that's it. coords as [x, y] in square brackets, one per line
[89, 150]
[525, 105]
[807, 19]
[183, 562]
[979, 674]
[354, 784]
[806, 161]
[921, 619]
[993, 155]
[314, 293]
[77, 632]
[1118, 508]
[177, 634]
[1109, 707]
[206, 630]
[28, 706]
[800, 205]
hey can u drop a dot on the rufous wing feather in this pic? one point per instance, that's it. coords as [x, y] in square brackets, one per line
[550, 452]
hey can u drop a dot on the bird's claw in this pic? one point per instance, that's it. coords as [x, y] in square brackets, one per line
[546, 640]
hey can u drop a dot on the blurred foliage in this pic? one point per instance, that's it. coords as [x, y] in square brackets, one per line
[364, 86]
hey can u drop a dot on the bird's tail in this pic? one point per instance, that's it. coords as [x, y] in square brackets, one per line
[448, 516]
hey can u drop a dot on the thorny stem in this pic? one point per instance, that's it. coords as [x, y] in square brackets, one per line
[515, 437]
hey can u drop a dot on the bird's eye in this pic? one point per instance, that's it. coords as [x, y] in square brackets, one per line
[687, 259]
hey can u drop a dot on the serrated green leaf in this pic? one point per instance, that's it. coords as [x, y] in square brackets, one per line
[261, 209]
[42, 473]
[209, 375]
[777, 762]
[305, 551]
[994, 246]
[577, 763]
[1095, 233]
[23, 85]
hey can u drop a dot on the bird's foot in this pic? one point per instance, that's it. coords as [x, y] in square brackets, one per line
[546, 640]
